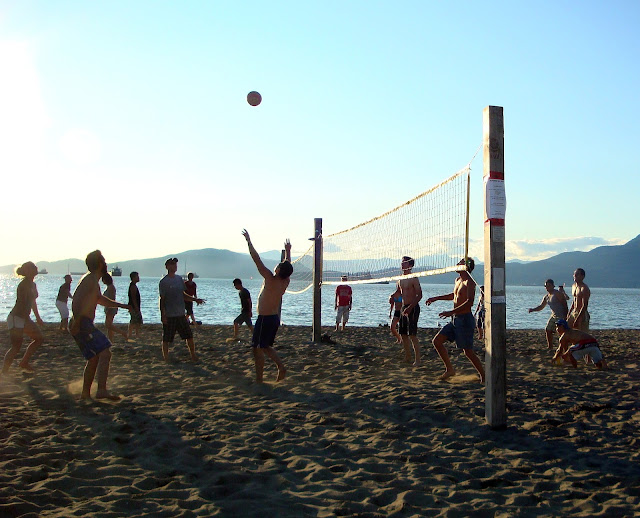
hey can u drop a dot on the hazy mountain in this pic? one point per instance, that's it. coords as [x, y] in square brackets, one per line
[208, 262]
[605, 266]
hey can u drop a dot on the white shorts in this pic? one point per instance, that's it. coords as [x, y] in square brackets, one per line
[592, 350]
[63, 308]
[342, 315]
[14, 322]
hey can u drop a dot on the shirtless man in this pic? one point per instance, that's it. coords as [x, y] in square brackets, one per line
[576, 344]
[269, 302]
[578, 313]
[557, 301]
[461, 328]
[92, 343]
[411, 293]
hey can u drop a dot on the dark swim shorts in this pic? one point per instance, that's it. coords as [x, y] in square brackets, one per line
[460, 330]
[264, 332]
[90, 340]
[243, 318]
[409, 324]
[174, 324]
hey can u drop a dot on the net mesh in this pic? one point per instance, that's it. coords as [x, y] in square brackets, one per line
[432, 228]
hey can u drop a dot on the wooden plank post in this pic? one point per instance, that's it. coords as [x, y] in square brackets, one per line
[494, 269]
[317, 280]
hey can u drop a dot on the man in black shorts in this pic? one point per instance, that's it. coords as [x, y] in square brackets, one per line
[411, 292]
[246, 312]
[172, 298]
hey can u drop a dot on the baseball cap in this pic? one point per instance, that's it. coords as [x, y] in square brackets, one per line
[171, 260]
[562, 323]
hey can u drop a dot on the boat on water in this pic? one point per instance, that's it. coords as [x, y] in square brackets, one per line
[185, 277]
[116, 271]
[43, 271]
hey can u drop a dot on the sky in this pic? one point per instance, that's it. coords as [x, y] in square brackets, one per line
[124, 125]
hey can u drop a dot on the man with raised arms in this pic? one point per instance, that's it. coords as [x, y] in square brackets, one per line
[462, 325]
[269, 301]
[557, 301]
[94, 345]
[578, 312]
[411, 293]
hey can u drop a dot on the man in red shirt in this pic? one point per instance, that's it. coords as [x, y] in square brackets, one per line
[343, 303]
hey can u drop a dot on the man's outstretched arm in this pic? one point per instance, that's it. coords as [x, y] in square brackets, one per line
[262, 269]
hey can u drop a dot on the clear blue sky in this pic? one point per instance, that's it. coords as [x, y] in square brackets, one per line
[124, 125]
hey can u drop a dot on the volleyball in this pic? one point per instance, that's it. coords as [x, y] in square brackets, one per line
[254, 98]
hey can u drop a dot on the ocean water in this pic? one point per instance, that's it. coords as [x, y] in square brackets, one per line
[609, 307]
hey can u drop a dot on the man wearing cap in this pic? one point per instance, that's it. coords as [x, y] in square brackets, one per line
[343, 303]
[172, 314]
[557, 301]
[576, 344]
[460, 329]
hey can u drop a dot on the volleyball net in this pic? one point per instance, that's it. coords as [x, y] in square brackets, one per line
[432, 228]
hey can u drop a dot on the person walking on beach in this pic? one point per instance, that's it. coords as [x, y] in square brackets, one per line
[579, 311]
[172, 309]
[246, 311]
[19, 320]
[93, 344]
[269, 302]
[479, 314]
[343, 302]
[190, 288]
[395, 303]
[461, 327]
[411, 293]
[110, 313]
[557, 301]
[575, 345]
[134, 301]
[64, 293]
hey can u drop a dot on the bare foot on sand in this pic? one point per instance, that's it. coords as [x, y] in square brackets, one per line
[281, 374]
[26, 367]
[447, 374]
[107, 395]
[416, 364]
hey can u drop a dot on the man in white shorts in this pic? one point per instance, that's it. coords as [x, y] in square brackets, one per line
[576, 344]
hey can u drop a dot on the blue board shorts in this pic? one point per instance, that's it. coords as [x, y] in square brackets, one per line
[264, 332]
[460, 330]
[90, 340]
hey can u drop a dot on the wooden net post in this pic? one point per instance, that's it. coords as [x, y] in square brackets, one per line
[494, 268]
[317, 280]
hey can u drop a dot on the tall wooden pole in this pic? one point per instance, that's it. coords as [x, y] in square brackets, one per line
[317, 279]
[494, 268]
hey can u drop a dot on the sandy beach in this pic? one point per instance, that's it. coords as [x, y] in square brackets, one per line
[351, 431]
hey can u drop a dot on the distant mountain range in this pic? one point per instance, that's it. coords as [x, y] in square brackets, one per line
[605, 266]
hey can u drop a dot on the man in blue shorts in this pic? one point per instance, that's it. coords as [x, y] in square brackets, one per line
[94, 345]
[460, 329]
[269, 302]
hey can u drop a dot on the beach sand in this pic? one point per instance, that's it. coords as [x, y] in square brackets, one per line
[352, 431]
